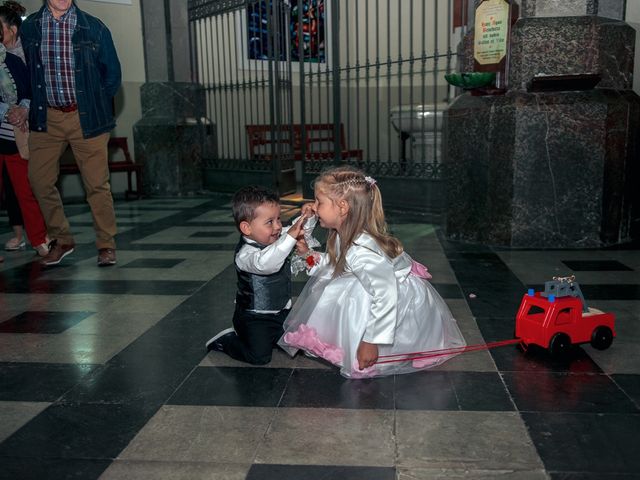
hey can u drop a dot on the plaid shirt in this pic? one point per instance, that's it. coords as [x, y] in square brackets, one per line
[58, 62]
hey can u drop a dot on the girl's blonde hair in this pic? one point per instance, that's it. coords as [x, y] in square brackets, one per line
[365, 212]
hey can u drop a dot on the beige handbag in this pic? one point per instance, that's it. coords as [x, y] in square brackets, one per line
[22, 141]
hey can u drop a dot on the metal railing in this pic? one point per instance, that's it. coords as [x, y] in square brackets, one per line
[373, 69]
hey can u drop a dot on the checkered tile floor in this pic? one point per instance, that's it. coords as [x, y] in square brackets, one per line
[103, 372]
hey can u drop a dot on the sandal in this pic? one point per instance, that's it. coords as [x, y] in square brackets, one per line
[14, 244]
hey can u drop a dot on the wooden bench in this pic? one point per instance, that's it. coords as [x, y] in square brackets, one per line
[318, 142]
[127, 165]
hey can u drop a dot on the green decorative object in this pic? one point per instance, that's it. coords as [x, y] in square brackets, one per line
[471, 80]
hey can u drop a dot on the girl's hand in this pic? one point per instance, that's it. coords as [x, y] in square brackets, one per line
[308, 210]
[367, 355]
[301, 247]
[17, 116]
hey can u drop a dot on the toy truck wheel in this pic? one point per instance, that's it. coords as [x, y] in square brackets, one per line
[559, 345]
[601, 338]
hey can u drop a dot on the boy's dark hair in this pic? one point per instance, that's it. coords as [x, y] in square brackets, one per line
[247, 199]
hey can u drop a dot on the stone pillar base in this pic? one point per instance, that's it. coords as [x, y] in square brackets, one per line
[543, 170]
[172, 138]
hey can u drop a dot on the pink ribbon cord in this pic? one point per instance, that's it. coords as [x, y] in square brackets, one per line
[405, 357]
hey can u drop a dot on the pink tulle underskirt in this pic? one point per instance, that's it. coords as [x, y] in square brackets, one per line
[306, 338]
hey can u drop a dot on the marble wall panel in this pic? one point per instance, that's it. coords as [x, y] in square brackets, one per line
[558, 163]
[555, 8]
[572, 46]
[560, 8]
[621, 195]
[155, 41]
[465, 52]
[172, 137]
[172, 156]
[477, 147]
[176, 100]
[544, 170]
[612, 9]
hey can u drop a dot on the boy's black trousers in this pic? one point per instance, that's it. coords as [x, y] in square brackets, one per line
[257, 335]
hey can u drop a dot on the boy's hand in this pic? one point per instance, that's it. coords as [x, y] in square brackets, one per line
[367, 355]
[296, 229]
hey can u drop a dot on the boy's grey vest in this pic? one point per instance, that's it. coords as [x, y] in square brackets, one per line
[263, 292]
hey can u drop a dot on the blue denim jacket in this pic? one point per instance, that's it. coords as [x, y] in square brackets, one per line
[98, 74]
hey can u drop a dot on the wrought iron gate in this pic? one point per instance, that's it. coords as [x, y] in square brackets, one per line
[309, 83]
[238, 47]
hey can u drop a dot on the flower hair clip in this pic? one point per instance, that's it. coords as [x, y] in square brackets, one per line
[370, 180]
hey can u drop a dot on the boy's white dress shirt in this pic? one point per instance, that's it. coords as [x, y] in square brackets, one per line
[266, 261]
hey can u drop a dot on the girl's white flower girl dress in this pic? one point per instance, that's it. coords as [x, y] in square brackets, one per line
[388, 302]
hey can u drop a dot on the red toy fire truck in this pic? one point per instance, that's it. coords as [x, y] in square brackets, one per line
[559, 317]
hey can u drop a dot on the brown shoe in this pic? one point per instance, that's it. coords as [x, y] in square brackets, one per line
[57, 252]
[106, 257]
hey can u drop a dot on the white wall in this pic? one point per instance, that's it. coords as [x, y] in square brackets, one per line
[125, 24]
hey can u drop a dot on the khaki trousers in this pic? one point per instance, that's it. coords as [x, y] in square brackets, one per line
[63, 128]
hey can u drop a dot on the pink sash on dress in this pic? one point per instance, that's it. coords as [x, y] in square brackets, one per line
[419, 270]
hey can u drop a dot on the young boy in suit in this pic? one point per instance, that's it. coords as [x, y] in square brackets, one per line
[263, 295]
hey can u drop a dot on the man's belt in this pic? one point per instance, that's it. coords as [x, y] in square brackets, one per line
[67, 108]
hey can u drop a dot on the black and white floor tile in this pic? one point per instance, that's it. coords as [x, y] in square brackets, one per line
[104, 374]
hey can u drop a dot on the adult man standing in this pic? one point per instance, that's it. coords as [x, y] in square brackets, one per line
[75, 73]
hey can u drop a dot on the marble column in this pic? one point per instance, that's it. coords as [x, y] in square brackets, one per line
[172, 136]
[553, 163]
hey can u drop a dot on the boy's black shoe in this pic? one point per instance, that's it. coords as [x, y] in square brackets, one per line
[217, 342]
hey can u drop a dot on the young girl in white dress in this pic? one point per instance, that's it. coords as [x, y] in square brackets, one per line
[368, 307]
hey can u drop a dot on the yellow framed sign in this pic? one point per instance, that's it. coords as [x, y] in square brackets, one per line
[491, 34]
